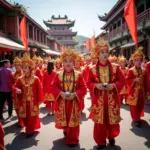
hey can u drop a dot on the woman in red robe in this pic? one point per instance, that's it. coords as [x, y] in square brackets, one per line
[47, 80]
[16, 75]
[69, 89]
[136, 87]
[58, 65]
[1, 138]
[30, 94]
[105, 83]
[78, 67]
[123, 92]
[35, 70]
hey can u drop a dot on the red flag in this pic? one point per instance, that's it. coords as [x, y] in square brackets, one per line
[93, 41]
[88, 44]
[23, 32]
[130, 17]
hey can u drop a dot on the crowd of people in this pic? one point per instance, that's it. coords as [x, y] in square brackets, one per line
[62, 84]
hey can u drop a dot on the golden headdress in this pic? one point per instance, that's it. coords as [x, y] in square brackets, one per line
[88, 58]
[101, 43]
[122, 59]
[115, 58]
[138, 53]
[26, 60]
[39, 59]
[17, 61]
[69, 52]
[35, 59]
[79, 58]
[57, 61]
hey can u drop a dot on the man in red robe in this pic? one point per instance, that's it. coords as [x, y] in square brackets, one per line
[16, 75]
[105, 82]
[30, 94]
[1, 138]
[47, 80]
[135, 79]
[69, 89]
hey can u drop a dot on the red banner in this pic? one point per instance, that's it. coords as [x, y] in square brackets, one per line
[23, 32]
[88, 44]
[130, 17]
[93, 41]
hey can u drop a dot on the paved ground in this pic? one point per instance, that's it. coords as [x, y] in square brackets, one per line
[49, 138]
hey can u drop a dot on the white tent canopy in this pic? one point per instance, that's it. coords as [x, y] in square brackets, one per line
[128, 45]
[7, 43]
[50, 52]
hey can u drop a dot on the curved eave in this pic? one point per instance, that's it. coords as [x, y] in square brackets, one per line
[71, 24]
[113, 9]
[113, 17]
[101, 18]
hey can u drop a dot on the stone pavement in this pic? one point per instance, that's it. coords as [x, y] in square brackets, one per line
[49, 138]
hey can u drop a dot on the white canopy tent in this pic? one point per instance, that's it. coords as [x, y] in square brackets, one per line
[128, 45]
[50, 52]
[8, 43]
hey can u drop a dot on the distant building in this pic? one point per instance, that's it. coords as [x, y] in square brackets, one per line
[59, 29]
[117, 32]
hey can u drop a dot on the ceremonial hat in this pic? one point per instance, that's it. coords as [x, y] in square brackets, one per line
[79, 58]
[57, 61]
[68, 52]
[35, 59]
[122, 59]
[26, 60]
[101, 43]
[17, 61]
[138, 53]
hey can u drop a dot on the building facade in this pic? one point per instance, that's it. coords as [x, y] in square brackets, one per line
[60, 29]
[10, 18]
[117, 32]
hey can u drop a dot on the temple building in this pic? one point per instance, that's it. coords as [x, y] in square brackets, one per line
[116, 31]
[60, 29]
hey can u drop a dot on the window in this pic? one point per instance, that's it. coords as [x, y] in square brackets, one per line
[1, 22]
[119, 23]
[30, 32]
[140, 9]
[148, 4]
[59, 38]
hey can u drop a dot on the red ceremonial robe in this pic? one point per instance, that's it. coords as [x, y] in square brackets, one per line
[68, 112]
[1, 137]
[29, 100]
[136, 92]
[148, 81]
[38, 73]
[105, 110]
[16, 75]
[48, 97]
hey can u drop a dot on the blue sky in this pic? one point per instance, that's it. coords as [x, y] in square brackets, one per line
[83, 11]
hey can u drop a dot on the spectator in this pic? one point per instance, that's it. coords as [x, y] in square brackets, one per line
[5, 88]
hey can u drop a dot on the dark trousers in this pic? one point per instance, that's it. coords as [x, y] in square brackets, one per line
[6, 96]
